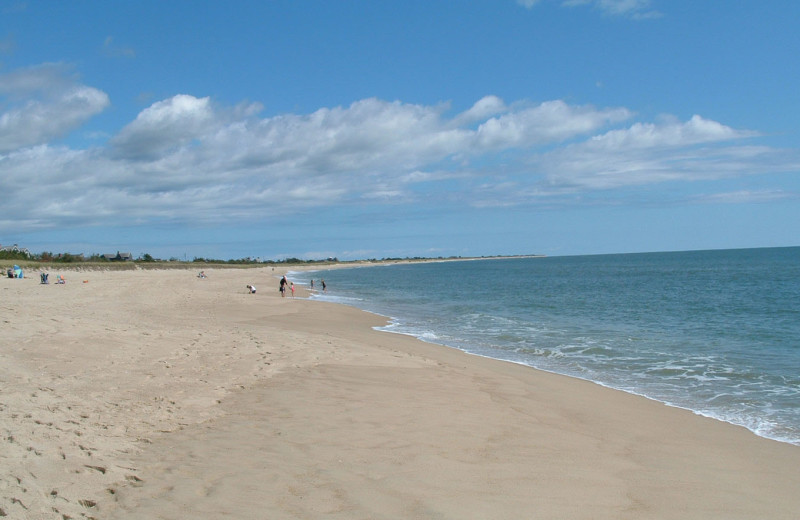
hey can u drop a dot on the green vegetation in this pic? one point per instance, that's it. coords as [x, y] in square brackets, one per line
[96, 261]
[14, 255]
[144, 261]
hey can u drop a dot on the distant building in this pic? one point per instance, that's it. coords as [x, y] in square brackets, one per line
[15, 249]
[119, 257]
[69, 257]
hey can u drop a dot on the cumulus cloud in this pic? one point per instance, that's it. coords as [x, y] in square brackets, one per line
[485, 107]
[189, 159]
[548, 122]
[648, 135]
[41, 104]
[647, 153]
[163, 126]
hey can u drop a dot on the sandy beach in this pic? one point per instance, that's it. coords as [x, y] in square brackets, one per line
[160, 395]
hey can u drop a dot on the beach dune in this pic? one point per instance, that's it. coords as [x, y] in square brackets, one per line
[156, 394]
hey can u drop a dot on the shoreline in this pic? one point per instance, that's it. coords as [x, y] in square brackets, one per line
[761, 425]
[591, 381]
[156, 394]
[134, 265]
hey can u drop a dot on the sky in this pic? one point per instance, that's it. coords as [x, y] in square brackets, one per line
[375, 129]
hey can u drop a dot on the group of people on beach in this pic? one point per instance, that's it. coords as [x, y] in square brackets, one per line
[286, 286]
[60, 280]
[44, 277]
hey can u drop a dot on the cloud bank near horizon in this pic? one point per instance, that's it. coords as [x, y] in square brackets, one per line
[190, 159]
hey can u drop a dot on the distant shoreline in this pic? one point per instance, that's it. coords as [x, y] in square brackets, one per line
[39, 265]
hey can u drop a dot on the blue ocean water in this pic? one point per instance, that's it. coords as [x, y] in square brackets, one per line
[715, 332]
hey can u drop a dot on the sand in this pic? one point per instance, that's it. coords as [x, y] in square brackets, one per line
[159, 395]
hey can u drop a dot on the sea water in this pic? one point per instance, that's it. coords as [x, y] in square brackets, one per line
[715, 332]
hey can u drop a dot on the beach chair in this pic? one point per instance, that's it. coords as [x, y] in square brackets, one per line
[44, 277]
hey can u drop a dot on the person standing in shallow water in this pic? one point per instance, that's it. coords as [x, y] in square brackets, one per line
[324, 287]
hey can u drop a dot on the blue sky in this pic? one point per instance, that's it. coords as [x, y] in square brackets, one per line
[371, 129]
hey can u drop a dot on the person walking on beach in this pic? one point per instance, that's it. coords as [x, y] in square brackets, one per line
[284, 282]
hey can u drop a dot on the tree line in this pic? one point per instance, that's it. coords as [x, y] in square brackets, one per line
[69, 258]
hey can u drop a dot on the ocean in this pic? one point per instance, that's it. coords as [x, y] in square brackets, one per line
[714, 332]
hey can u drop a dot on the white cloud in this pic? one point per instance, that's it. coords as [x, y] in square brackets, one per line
[162, 126]
[49, 78]
[648, 135]
[485, 107]
[188, 159]
[43, 104]
[548, 122]
[744, 197]
[647, 153]
[635, 9]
